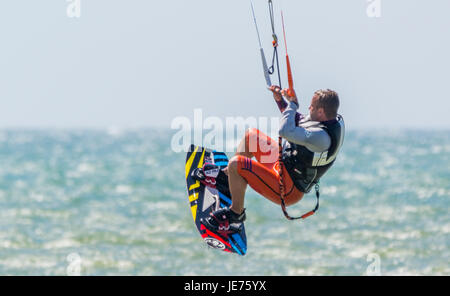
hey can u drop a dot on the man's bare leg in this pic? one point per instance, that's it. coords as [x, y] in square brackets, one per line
[238, 185]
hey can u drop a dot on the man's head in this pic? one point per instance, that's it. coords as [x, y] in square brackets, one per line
[324, 105]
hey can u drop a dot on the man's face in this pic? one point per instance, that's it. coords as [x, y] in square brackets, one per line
[315, 113]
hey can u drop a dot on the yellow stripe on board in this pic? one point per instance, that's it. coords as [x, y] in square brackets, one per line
[200, 163]
[193, 197]
[190, 161]
[194, 211]
[195, 185]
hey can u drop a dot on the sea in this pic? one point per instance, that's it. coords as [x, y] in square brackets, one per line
[114, 202]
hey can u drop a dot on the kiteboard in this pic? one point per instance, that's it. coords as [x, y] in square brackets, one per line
[205, 199]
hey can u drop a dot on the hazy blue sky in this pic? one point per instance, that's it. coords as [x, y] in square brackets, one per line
[140, 63]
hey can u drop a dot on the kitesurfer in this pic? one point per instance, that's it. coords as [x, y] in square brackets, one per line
[310, 146]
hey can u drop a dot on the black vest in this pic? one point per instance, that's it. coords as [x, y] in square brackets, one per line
[306, 167]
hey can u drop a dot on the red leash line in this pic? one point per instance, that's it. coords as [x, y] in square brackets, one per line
[290, 93]
[288, 64]
[280, 156]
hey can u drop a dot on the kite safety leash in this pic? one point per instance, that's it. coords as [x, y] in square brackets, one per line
[270, 71]
[280, 139]
[291, 93]
[306, 215]
[288, 63]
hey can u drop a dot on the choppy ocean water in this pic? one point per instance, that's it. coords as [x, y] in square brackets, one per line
[94, 202]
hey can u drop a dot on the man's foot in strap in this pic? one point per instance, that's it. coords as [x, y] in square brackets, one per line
[224, 221]
[211, 175]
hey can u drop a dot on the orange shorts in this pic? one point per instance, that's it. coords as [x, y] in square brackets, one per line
[262, 174]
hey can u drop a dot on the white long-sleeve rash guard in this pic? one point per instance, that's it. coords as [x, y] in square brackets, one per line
[307, 133]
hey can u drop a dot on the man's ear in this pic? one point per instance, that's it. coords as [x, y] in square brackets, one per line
[321, 111]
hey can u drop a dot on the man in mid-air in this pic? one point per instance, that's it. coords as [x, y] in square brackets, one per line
[311, 144]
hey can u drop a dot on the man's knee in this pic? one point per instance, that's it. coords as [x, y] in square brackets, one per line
[233, 164]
